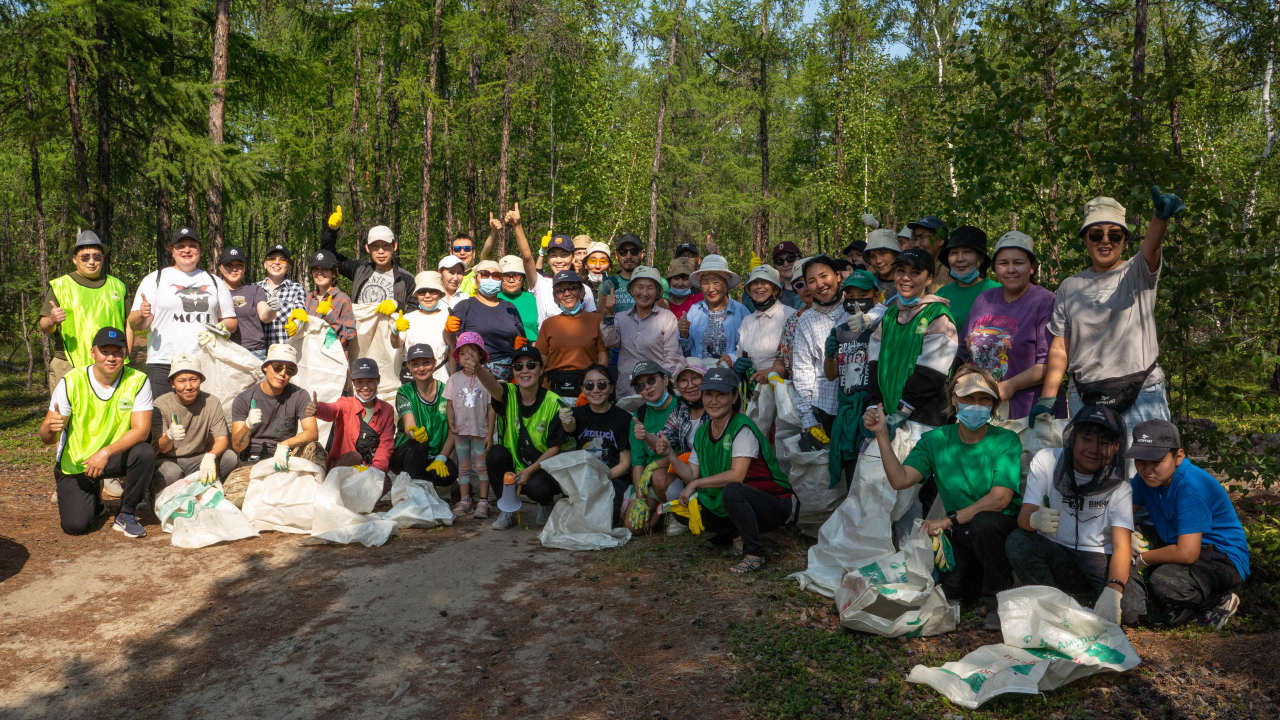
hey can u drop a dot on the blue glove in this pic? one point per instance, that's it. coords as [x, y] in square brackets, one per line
[832, 347]
[896, 421]
[1043, 406]
[1166, 204]
[742, 366]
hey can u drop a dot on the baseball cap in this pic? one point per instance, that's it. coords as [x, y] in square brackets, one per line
[1153, 439]
[629, 239]
[682, 266]
[689, 247]
[185, 232]
[859, 245]
[916, 258]
[230, 253]
[1101, 415]
[644, 272]
[972, 384]
[561, 242]
[365, 369]
[87, 238]
[449, 261]
[767, 273]
[278, 248]
[647, 367]
[511, 264]
[184, 362]
[786, 246]
[720, 379]
[529, 351]
[566, 276]
[109, 336]
[487, 266]
[862, 280]
[1015, 239]
[322, 259]
[421, 351]
[380, 233]
[930, 222]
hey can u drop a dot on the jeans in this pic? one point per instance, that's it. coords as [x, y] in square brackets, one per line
[748, 513]
[79, 496]
[1152, 404]
[260, 354]
[982, 568]
[1037, 560]
[541, 487]
[170, 470]
[413, 457]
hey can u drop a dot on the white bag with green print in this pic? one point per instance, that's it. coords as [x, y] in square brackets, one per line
[896, 595]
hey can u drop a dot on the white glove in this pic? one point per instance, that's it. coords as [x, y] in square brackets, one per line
[205, 338]
[1046, 520]
[254, 418]
[208, 468]
[282, 458]
[870, 221]
[176, 432]
[273, 304]
[1108, 605]
[566, 419]
[1138, 543]
[858, 321]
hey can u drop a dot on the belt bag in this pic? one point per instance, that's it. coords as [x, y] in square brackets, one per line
[566, 383]
[1119, 393]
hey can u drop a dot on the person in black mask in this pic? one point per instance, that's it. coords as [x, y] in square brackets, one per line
[845, 364]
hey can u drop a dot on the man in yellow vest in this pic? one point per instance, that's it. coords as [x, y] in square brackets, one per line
[100, 417]
[77, 304]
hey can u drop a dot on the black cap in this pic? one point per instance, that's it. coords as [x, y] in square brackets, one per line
[966, 236]
[915, 258]
[109, 336]
[529, 351]
[1101, 415]
[647, 367]
[629, 239]
[843, 265]
[324, 259]
[564, 242]
[688, 246]
[365, 369]
[421, 351]
[930, 222]
[278, 248]
[720, 379]
[566, 276]
[87, 238]
[187, 232]
[1153, 439]
[230, 253]
[859, 245]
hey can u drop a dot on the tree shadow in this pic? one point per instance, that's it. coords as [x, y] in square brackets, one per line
[13, 556]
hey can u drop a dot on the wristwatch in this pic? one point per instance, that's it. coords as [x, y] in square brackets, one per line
[955, 521]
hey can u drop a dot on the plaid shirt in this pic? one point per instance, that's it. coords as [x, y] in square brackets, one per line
[341, 318]
[292, 297]
[808, 352]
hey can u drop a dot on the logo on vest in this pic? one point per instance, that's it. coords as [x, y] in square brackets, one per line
[124, 405]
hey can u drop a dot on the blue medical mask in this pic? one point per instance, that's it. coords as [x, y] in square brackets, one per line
[681, 292]
[661, 401]
[573, 310]
[429, 308]
[973, 416]
[909, 301]
[967, 277]
[490, 286]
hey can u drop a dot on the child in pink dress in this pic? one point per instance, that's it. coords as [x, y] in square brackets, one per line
[471, 420]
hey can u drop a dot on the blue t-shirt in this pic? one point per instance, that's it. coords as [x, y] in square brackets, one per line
[1194, 502]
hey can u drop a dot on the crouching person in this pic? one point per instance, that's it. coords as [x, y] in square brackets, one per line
[734, 474]
[364, 428]
[1075, 526]
[1199, 553]
[193, 429]
[978, 469]
[271, 419]
[100, 416]
[424, 443]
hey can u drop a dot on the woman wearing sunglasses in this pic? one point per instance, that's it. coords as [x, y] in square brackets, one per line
[787, 341]
[495, 319]
[528, 433]
[602, 429]
[571, 341]
[685, 419]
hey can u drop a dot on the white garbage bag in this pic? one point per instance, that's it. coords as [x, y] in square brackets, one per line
[415, 504]
[282, 501]
[810, 480]
[341, 505]
[373, 341]
[896, 595]
[1046, 434]
[198, 515]
[228, 369]
[761, 407]
[786, 422]
[322, 365]
[583, 520]
[1049, 641]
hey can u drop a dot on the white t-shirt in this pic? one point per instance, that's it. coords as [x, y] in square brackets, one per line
[428, 329]
[181, 304]
[1087, 528]
[544, 295]
[380, 286]
[61, 403]
[745, 444]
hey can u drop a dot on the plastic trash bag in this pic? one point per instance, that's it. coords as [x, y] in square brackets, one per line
[1046, 434]
[341, 503]
[373, 341]
[322, 365]
[198, 515]
[415, 504]
[1049, 641]
[228, 369]
[895, 595]
[282, 501]
[810, 481]
[583, 520]
[786, 422]
[761, 407]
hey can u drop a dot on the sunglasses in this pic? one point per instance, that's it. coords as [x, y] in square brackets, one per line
[797, 285]
[629, 251]
[564, 288]
[593, 384]
[641, 383]
[786, 259]
[489, 275]
[1115, 236]
[522, 364]
[283, 369]
[463, 248]
[87, 257]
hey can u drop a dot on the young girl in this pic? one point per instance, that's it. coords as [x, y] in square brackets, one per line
[326, 301]
[471, 419]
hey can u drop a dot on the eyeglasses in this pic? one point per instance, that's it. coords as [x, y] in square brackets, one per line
[592, 385]
[598, 262]
[689, 381]
[1115, 236]
[489, 275]
[283, 369]
[463, 248]
[642, 382]
[522, 364]
[564, 288]
[786, 259]
[629, 251]
[90, 257]
[512, 276]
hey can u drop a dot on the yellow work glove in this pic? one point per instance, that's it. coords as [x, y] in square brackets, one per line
[335, 220]
[417, 433]
[402, 325]
[546, 240]
[693, 512]
[297, 318]
[943, 558]
[325, 307]
[755, 261]
[438, 467]
[776, 381]
[361, 468]
[819, 434]
[387, 307]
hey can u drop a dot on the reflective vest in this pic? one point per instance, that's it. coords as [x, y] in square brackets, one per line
[537, 425]
[715, 457]
[96, 423]
[88, 310]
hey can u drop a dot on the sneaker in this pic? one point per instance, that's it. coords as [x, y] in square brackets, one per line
[1219, 615]
[482, 510]
[463, 506]
[674, 527]
[128, 524]
[1175, 616]
[991, 621]
[544, 514]
[505, 521]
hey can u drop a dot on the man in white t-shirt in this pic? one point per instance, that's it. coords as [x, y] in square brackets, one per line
[559, 257]
[1076, 524]
[426, 324]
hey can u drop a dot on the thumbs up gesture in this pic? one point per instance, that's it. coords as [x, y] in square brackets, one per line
[546, 240]
[638, 429]
[254, 418]
[495, 223]
[402, 325]
[608, 302]
[662, 446]
[310, 410]
[145, 308]
[683, 325]
[57, 314]
[335, 220]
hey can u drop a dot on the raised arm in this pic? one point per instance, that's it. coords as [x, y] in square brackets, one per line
[522, 243]
[486, 252]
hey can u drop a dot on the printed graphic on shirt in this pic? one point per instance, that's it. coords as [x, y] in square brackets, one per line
[381, 286]
[990, 342]
[469, 396]
[852, 361]
[238, 301]
[595, 445]
[195, 303]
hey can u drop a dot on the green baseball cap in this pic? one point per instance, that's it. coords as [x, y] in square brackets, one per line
[862, 280]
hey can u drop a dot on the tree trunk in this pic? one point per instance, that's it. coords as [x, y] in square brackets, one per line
[504, 158]
[164, 225]
[353, 187]
[474, 78]
[41, 247]
[102, 194]
[428, 130]
[217, 110]
[842, 57]
[77, 140]
[392, 156]
[379, 202]
[1251, 205]
[1175, 129]
[762, 217]
[1139, 62]
[449, 227]
[657, 143]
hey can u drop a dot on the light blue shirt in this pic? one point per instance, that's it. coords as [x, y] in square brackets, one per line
[699, 317]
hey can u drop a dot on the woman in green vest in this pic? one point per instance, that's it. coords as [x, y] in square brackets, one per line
[733, 474]
[528, 433]
[78, 304]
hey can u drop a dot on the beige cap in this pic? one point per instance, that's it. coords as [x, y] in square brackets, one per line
[1103, 210]
[581, 242]
[972, 384]
[595, 247]
[1015, 239]
[381, 233]
[644, 272]
[682, 266]
[281, 353]
[511, 264]
[184, 362]
[766, 273]
[882, 239]
[488, 265]
[428, 280]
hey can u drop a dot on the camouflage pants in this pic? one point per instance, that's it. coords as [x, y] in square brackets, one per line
[1200, 585]
[237, 483]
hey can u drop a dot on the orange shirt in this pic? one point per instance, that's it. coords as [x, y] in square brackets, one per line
[571, 342]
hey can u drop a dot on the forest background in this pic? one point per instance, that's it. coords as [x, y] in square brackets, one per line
[679, 120]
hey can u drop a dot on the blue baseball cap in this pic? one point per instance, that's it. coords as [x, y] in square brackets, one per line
[365, 369]
[564, 242]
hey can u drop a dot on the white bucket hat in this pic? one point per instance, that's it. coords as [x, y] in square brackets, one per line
[1015, 239]
[883, 240]
[1103, 210]
[599, 247]
[428, 280]
[767, 273]
[714, 264]
[184, 362]
[281, 353]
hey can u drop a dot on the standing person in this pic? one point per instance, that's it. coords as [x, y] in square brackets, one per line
[329, 303]
[174, 304]
[845, 364]
[882, 251]
[427, 323]
[254, 307]
[1199, 551]
[100, 418]
[1007, 333]
[379, 278]
[597, 265]
[782, 358]
[193, 428]
[630, 251]
[528, 432]
[292, 296]
[516, 269]
[559, 259]
[646, 331]
[471, 422]
[761, 331]
[978, 467]
[734, 474]
[681, 293]
[77, 304]
[1076, 522]
[714, 320]
[1104, 323]
[463, 247]
[451, 272]
[425, 438]
[853, 253]
[602, 429]
[904, 238]
[581, 243]
[364, 427]
[571, 341]
[785, 254]
[816, 395]
[495, 319]
[966, 260]
[930, 234]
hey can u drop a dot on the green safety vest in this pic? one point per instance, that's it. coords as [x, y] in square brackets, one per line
[537, 425]
[900, 347]
[96, 423]
[717, 457]
[88, 310]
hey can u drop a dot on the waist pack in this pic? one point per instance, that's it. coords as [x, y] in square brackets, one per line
[1119, 393]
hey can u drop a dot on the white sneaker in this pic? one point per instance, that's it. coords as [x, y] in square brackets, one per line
[674, 527]
[544, 514]
[505, 521]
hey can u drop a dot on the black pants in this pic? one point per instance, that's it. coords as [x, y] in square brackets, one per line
[1037, 560]
[158, 379]
[1198, 586]
[413, 457]
[80, 496]
[620, 486]
[982, 568]
[748, 513]
[541, 488]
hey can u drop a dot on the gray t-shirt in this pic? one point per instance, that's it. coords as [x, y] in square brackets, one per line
[281, 415]
[381, 286]
[203, 420]
[248, 334]
[1109, 321]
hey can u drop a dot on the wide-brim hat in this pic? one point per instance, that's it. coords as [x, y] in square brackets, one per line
[644, 272]
[581, 242]
[714, 264]
[682, 266]
[281, 353]
[470, 338]
[599, 247]
[966, 236]
[882, 240]
[428, 280]
[1015, 239]
[1104, 210]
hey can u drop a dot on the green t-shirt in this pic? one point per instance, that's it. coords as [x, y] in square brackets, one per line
[430, 415]
[527, 306]
[962, 298]
[654, 420]
[967, 472]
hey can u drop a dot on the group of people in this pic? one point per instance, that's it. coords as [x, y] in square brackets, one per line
[510, 361]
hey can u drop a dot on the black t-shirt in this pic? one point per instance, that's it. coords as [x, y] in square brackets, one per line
[556, 436]
[499, 326]
[605, 434]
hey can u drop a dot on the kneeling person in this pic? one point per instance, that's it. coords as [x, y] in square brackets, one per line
[100, 416]
[1074, 531]
[364, 427]
[193, 428]
[424, 443]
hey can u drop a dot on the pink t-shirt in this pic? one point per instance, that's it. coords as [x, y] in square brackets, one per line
[470, 404]
[679, 308]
